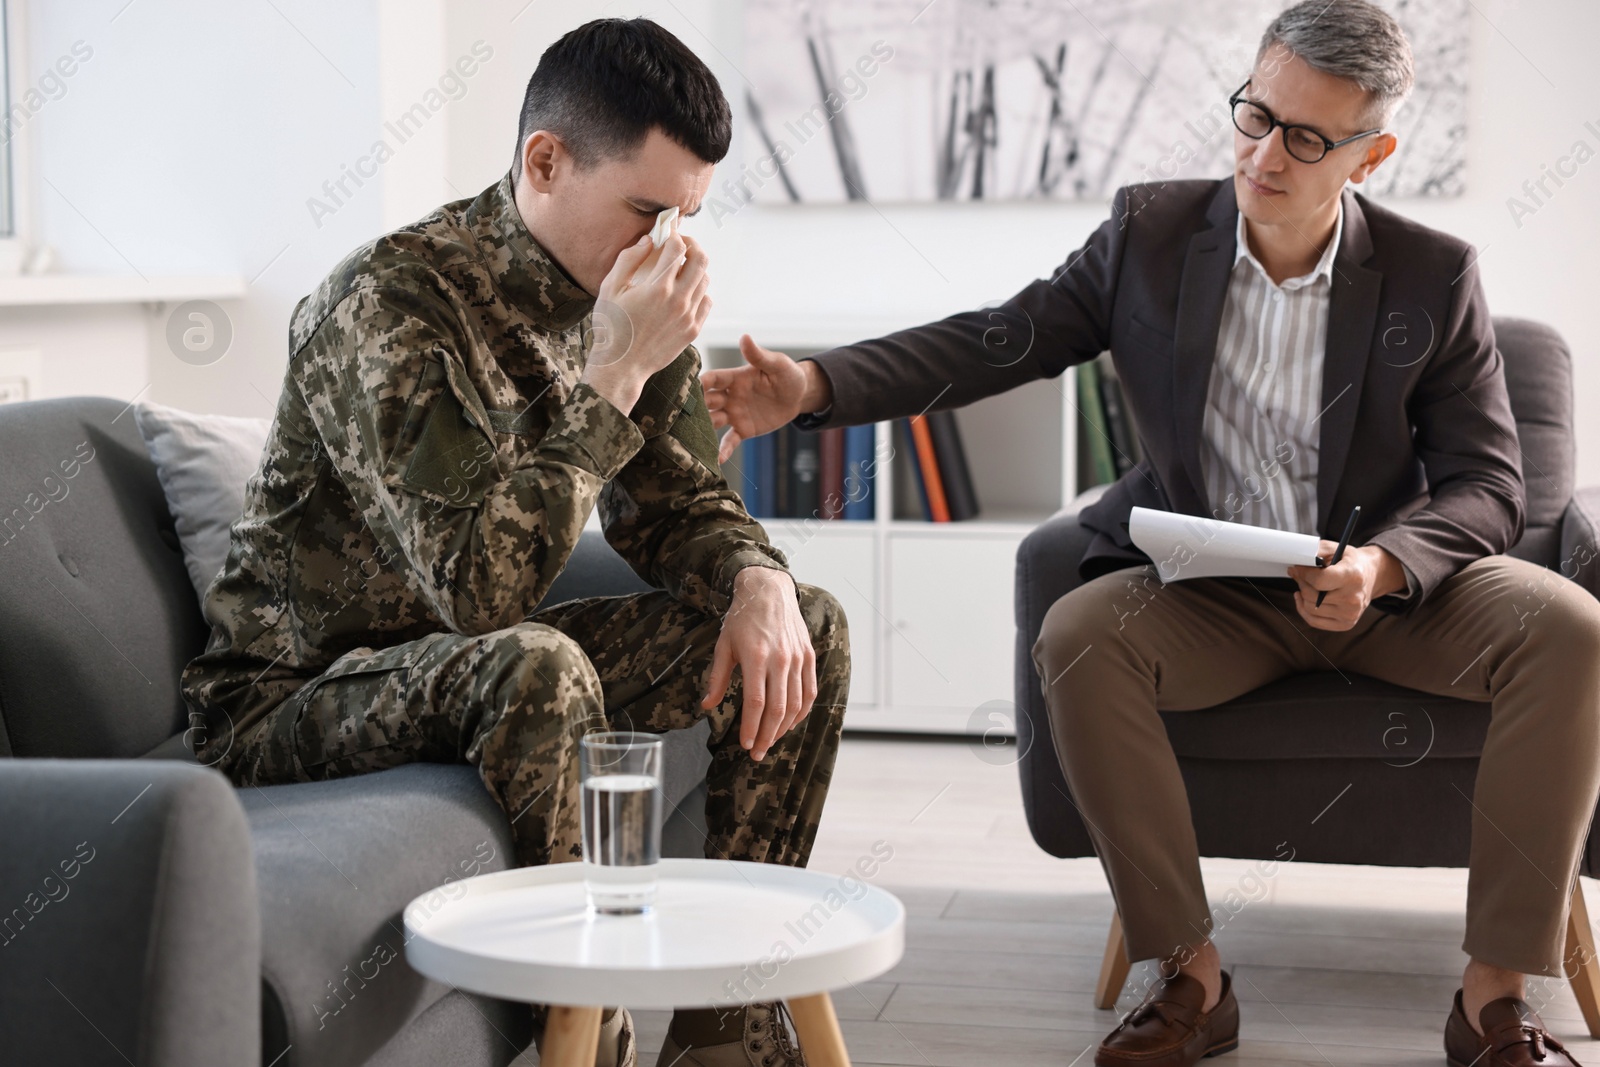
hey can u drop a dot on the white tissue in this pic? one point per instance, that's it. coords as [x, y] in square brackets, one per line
[666, 225]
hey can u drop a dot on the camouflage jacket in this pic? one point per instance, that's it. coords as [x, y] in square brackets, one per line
[434, 458]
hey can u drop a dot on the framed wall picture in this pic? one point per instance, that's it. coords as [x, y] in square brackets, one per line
[912, 100]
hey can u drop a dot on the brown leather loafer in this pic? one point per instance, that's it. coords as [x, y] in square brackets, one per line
[1170, 1030]
[1513, 1036]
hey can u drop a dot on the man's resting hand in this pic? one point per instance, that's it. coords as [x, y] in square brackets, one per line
[765, 636]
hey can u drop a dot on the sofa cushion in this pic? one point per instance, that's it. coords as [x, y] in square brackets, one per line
[97, 617]
[203, 462]
[462, 1028]
[336, 863]
[593, 569]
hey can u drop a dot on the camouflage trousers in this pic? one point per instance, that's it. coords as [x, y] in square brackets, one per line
[515, 702]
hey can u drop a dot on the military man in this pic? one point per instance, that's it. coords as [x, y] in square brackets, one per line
[460, 395]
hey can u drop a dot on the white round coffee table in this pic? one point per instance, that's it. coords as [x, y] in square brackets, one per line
[722, 933]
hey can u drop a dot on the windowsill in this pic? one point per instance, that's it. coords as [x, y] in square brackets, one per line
[44, 290]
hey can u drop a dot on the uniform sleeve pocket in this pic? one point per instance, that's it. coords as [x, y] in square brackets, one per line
[452, 459]
[673, 404]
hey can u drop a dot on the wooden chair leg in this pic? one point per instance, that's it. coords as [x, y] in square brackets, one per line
[818, 1029]
[571, 1036]
[1583, 967]
[1113, 968]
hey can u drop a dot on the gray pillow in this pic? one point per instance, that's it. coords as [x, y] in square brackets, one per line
[203, 462]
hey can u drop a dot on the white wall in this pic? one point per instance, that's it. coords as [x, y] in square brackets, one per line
[188, 144]
[195, 135]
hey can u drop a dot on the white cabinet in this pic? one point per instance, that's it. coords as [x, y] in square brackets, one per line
[951, 641]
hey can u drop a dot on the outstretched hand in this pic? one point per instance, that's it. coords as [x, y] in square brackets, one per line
[768, 391]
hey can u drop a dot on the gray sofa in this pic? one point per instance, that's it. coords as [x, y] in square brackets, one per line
[1260, 769]
[149, 912]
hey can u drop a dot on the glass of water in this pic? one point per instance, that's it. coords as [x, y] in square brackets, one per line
[621, 775]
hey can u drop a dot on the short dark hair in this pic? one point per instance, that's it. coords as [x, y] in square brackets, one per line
[605, 85]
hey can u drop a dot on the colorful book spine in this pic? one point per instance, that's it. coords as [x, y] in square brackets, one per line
[1097, 437]
[805, 474]
[830, 450]
[959, 492]
[783, 472]
[750, 476]
[928, 463]
[908, 447]
[860, 469]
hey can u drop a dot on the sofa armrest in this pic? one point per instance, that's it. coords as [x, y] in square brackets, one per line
[130, 930]
[593, 569]
[1580, 539]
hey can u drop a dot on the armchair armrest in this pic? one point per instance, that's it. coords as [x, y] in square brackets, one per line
[1047, 563]
[128, 915]
[1580, 539]
[1047, 570]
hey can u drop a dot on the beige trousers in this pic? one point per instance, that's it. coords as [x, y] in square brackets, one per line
[1122, 647]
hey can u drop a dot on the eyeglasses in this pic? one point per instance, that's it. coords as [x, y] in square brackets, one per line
[1301, 142]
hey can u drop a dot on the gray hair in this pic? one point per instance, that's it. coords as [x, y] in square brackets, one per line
[1351, 39]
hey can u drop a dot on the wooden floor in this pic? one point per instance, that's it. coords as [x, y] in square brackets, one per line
[1332, 965]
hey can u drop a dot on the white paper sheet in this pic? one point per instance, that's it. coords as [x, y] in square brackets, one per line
[1184, 546]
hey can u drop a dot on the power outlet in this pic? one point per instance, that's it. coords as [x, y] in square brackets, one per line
[21, 371]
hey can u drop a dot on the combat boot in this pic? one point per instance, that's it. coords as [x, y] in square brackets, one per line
[757, 1035]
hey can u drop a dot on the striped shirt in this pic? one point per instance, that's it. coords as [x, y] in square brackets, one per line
[1264, 400]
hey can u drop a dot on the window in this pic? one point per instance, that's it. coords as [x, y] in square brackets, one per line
[15, 134]
[8, 227]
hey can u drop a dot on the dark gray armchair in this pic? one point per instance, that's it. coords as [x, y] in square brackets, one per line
[149, 912]
[1281, 752]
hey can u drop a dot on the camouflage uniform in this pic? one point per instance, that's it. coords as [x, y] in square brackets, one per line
[431, 464]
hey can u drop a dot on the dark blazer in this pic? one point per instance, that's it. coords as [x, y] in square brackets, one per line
[1417, 428]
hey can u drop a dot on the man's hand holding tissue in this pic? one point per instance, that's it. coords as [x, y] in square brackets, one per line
[650, 307]
[770, 390]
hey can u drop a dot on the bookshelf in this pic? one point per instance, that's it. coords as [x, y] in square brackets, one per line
[929, 604]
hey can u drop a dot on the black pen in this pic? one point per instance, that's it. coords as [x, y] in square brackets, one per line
[1338, 554]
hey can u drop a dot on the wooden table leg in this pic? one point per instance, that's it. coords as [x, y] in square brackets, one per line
[571, 1036]
[1582, 965]
[818, 1029]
